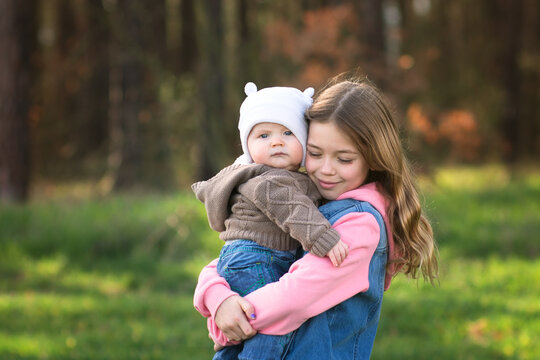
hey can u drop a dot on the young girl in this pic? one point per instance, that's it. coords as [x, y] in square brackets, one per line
[355, 158]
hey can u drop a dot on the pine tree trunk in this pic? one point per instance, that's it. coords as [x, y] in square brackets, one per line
[17, 46]
[91, 104]
[188, 40]
[125, 159]
[511, 20]
[372, 35]
[211, 140]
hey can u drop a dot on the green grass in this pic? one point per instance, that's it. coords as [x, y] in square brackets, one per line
[112, 278]
[103, 279]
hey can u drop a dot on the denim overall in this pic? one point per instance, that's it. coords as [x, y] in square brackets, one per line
[248, 266]
[346, 331]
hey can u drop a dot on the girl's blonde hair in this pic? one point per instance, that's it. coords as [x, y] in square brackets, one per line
[360, 111]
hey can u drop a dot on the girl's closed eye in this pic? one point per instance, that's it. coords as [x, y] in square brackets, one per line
[313, 154]
[345, 161]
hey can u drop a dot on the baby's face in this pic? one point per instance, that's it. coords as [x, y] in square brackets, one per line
[274, 145]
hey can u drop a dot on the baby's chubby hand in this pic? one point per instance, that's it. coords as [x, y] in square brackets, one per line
[338, 253]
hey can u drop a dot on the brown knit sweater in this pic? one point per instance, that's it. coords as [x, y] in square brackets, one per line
[270, 206]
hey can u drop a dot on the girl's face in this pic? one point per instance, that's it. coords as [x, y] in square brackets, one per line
[333, 162]
[275, 145]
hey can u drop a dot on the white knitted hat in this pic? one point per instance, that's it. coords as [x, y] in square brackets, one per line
[280, 105]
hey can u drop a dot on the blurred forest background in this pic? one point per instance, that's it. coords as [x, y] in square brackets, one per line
[110, 109]
[145, 94]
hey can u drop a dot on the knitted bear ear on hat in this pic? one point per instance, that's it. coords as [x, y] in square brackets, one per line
[309, 92]
[250, 88]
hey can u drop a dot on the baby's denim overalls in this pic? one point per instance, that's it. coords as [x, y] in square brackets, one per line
[346, 331]
[248, 266]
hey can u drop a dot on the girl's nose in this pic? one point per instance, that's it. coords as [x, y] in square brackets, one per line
[326, 167]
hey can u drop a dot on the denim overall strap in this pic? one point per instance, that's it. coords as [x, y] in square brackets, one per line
[346, 331]
[334, 210]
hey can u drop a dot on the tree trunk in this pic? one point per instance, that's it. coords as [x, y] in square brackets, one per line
[445, 72]
[156, 165]
[125, 160]
[139, 152]
[188, 38]
[407, 25]
[154, 30]
[17, 46]
[372, 35]
[248, 47]
[511, 21]
[212, 92]
[534, 118]
[91, 104]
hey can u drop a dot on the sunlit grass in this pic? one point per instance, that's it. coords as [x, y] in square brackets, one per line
[470, 179]
[113, 278]
[134, 325]
[487, 305]
[483, 309]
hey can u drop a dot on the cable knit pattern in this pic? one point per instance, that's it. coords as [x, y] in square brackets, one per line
[274, 207]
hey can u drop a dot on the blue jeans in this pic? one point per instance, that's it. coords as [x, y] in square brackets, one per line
[248, 266]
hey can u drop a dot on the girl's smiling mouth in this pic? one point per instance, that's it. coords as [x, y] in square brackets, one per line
[326, 184]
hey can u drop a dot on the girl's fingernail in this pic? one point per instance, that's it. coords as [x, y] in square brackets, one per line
[252, 316]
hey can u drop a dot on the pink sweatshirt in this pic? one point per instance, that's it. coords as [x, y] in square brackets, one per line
[312, 285]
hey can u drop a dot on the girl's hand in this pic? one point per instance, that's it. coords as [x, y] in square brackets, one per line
[217, 346]
[338, 253]
[232, 318]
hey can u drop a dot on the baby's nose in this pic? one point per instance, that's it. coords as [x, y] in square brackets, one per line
[277, 141]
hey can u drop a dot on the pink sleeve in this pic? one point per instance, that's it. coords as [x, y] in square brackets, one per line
[313, 285]
[210, 292]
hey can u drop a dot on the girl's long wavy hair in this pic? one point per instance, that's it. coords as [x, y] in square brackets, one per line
[358, 108]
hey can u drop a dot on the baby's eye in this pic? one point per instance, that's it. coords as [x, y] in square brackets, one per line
[263, 136]
[288, 132]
